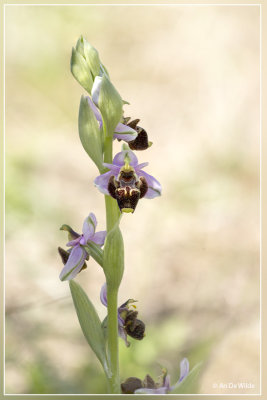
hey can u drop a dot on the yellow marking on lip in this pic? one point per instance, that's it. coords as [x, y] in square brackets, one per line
[127, 210]
[134, 191]
[127, 166]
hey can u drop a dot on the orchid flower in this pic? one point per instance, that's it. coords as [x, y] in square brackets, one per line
[134, 385]
[122, 131]
[166, 386]
[141, 141]
[127, 182]
[77, 253]
[128, 324]
[129, 131]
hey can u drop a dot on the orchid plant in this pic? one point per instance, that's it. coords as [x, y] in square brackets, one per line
[123, 182]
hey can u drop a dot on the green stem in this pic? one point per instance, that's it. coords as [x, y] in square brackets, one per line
[112, 217]
[113, 345]
[112, 209]
[108, 149]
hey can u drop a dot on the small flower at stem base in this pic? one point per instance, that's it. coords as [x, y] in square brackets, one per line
[131, 385]
[163, 387]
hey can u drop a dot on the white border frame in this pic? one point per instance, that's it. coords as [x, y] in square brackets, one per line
[4, 96]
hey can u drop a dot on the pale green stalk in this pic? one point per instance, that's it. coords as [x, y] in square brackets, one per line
[112, 217]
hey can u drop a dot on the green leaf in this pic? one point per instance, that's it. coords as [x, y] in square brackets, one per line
[103, 70]
[90, 133]
[89, 321]
[188, 384]
[114, 257]
[108, 100]
[104, 326]
[81, 70]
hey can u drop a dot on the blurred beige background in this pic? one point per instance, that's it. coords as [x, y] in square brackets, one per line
[191, 75]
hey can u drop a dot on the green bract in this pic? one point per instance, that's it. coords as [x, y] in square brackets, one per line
[81, 71]
[109, 102]
[90, 54]
[113, 260]
[85, 64]
[90, 133]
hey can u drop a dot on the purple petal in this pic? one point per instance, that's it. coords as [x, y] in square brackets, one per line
[89, 227]
[120, 319]
[154, 187]
[99, 237]
[74, 242]
[121, 128]
[113, 168]
[124, 136]
[96, 89]
[141, 166]
[74, 263]
[123, 334]
[109, 166]
[95, 111]
[101, 182]
[124, 132]
[167, 382]
[93, 219]
[119, 158]
[184, 369]
[103, 295]
[161, 390]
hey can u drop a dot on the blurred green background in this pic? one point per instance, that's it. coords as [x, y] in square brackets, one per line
[191, 75]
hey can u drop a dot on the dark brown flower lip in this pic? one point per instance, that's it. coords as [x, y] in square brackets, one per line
[141, 142]
[131, 384]
[127, 189]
